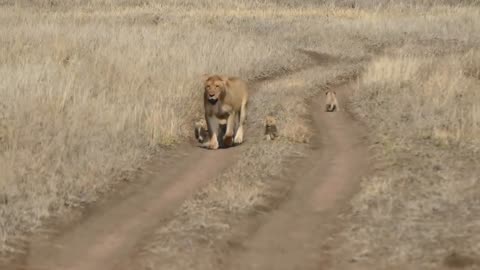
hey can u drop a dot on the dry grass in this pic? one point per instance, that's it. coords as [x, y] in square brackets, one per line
[88, 92]
[432, 98]
[422, 105]
[424, 194]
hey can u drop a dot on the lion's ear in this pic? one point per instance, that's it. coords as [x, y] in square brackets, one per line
[225, 80]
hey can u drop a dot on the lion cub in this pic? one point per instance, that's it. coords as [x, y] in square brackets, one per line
[270, 128]
[331, 103]
[201, 130]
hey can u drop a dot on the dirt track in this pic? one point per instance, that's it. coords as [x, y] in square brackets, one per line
[111, 231]
[288, 238]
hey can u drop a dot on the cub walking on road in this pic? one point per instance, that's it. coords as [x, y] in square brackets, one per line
[270, 128]
[225, 98]
[331, 103]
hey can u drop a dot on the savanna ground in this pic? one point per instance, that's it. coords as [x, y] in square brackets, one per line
[91, 90]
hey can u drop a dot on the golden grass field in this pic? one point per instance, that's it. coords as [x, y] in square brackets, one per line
[89, 91]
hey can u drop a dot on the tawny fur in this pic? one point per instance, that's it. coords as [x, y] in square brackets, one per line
[201, 130]
[270, 128]
[331, 103]
[225, 99]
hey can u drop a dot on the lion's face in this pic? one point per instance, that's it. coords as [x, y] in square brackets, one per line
[330, 93]
[214, 87]
[200, 124]
[270, 121]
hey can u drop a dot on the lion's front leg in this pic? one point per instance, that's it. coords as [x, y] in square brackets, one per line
[213, 124]
[243, 114]
[228, 138]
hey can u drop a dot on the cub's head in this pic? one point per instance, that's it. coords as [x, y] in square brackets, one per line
[201, 123]
[270, 121]
[214, 87]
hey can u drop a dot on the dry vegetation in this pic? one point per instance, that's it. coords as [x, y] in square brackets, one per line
[420, 206]
[424, 194]
[87, 93]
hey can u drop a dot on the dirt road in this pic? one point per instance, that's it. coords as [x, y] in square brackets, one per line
[293, 236]
[111, 230]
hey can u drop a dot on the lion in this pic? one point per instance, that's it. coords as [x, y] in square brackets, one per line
[270, 128]
[331, 103]
[201, 130]
[225, 99]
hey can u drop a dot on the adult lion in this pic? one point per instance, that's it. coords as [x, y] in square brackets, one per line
[225, 99]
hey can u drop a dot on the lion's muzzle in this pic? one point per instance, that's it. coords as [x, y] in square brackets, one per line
[212, 100]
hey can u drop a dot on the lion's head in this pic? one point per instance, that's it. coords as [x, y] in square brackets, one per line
[214, 86]
[328, 92]
[270, 121]
[201, 123]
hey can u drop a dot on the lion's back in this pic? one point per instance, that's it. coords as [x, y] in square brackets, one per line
[237, 92]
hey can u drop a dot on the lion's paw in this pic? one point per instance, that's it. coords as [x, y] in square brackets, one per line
[213, 146]
[228, 141]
